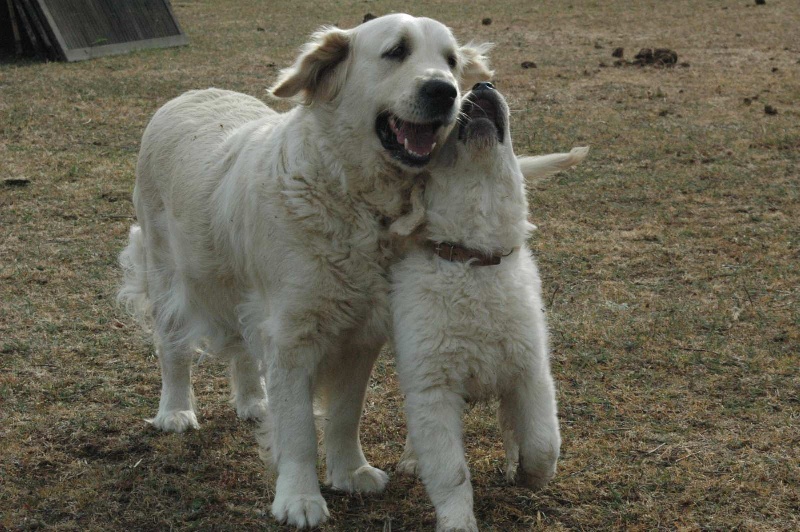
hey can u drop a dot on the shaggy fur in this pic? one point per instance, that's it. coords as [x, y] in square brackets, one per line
[262, 238]
[465, 332]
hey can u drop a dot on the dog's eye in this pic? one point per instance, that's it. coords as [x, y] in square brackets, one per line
[451, 61]
[398, 52]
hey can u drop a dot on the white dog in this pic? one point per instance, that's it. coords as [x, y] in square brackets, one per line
[468, 315]
[263, 237]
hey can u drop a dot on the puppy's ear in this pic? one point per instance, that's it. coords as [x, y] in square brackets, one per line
[319, 72]
[474, 64]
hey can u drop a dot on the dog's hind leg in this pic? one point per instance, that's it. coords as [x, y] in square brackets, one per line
[249, 393]
[343, 388]
[434, 424]
[176, 409]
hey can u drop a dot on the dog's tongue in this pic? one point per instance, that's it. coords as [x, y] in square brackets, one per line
[417, 138]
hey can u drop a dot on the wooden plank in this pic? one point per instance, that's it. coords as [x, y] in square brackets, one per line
[55, 33]
[15, 37]
[55, 52]
[168, 4]
[108, 27]
[38, 27]
[27, 29]
[90, 52]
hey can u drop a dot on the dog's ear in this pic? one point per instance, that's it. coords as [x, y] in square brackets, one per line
[474, 64]
[319, 72]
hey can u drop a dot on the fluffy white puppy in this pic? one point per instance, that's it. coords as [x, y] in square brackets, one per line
[468, 314]
[263, 237]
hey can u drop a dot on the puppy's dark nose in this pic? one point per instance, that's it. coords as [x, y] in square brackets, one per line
[483, 86]
[439, 94]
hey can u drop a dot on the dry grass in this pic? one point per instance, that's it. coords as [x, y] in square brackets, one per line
[670, 259]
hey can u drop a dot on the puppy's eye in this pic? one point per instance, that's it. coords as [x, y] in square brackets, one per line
[398, 52]
[452, 61]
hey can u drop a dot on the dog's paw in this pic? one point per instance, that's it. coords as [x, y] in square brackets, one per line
[407, 466]
[255, 409]
[368, 479]
[300, 511]
[537, 474]
[457, 523]
[365, 479]
[511, 472]
[534, 480]
[175, 421]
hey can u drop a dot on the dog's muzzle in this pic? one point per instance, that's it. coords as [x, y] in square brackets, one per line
[412, 141]
[483, 114]
[437, 97]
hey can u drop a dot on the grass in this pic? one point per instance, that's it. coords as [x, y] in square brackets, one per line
[671, 265]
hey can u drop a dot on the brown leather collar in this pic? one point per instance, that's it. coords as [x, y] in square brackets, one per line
[458, 253]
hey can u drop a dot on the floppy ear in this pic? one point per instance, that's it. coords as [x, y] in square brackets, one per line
[319, 71]
[543, 166]
[474, 64]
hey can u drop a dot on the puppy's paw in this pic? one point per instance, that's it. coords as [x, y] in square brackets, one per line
[175, 421]
[535, 474]
[300, 510]
[534, 480]
[368, 479]
[464, 522]
[255, 409]
[407, 466]
[365, 479]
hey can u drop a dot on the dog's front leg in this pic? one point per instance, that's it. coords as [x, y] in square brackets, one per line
[344, 388]
[434, 426]
[298, 501]
[408, 460]
[530, 430]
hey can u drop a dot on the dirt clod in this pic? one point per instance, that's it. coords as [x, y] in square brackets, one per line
[768, 109]
[761, 2]
[486, 21]
[528, 64]
[618, 52]
[17, 182]
[658, 57]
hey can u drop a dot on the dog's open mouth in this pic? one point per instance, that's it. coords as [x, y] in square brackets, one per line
[408, 142]
[482, 116]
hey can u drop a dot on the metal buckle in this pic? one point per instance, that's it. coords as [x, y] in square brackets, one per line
[438, 249]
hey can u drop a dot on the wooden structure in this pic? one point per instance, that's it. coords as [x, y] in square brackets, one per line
[74, 30]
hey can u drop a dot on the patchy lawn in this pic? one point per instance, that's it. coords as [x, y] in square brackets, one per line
[671, 265]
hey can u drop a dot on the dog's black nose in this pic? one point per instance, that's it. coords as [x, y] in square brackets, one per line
[483, 86]
[439, 94]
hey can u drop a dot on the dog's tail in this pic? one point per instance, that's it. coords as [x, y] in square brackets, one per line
[536, 168]
[133, 293]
